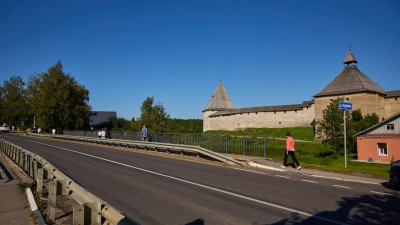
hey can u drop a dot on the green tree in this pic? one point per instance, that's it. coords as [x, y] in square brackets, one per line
[146, 109]
[58, 101]
[134, 126]
[118, 124]
[331, 128]
[185, 126]
[14, 102]
[154, 117]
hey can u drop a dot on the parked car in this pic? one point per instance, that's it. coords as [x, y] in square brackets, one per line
[5, 128]
[395, 172]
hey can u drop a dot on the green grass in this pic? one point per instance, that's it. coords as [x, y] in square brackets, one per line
[300, 133]
[311, 154]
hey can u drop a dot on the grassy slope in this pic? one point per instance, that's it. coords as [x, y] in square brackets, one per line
[310, 154]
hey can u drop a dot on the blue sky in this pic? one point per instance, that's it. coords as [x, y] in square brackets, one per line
[267, 52]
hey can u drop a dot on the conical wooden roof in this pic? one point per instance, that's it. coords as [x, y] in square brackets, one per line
[350, 58]
[350, 80]
[219, 100]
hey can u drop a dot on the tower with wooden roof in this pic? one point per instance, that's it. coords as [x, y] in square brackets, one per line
[355, 87]
[219, 101]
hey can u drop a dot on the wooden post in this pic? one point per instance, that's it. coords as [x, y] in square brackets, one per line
[52, 201]
[39, 182]
[62, 187]
[78, 215]
[93, 211]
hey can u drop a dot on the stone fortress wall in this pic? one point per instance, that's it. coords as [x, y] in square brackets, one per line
[351, 84]
[271, 119]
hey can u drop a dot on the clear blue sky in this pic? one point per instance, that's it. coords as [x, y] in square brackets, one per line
[267, 52]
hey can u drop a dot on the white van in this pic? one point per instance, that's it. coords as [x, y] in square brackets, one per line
[5, 128]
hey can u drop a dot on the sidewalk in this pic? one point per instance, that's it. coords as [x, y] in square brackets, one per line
[262, 163]
[14, 205]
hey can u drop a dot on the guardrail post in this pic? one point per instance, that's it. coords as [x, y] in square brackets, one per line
[20, 158]
[62, 187]
[93, 211]
[30, 163]
[52, 201]
[78, 215]
[25, 168]
[39, 182]
[34, 168]
[15, 152]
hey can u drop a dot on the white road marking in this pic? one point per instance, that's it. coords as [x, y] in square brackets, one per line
[251, 171]
[381, 193]
[282, 176]
[311, 181]
[201, 185]
[342, 186]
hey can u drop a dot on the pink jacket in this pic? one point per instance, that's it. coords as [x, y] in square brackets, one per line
[290, 143]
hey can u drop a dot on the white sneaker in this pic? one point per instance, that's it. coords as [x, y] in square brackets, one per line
[283, 167]
[298, 168]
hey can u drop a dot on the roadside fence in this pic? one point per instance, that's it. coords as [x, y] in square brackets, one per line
[91, 209]
[230, 144]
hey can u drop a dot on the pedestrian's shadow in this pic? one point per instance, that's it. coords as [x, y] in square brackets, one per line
[6, 172]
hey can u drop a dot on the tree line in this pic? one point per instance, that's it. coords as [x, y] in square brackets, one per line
[55, 100]
[155, 118]
[50, 100]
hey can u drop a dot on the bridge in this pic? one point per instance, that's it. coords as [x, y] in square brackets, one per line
[160, 188]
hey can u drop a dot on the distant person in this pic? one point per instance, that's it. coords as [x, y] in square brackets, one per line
[99, 133]
[290, 151]
[107, 133]
[145, 134]
[53, 132]
[39, 130]
[12, 129]
[103, 134]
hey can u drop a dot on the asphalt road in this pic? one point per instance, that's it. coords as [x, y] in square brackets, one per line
[159, 189]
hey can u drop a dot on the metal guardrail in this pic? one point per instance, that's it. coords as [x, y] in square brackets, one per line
[155, 146]
[223, 143]
[91, 209]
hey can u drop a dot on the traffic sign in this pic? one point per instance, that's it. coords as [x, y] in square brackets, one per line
[345, 105]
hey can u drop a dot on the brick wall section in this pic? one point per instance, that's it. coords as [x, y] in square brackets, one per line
[367, 147]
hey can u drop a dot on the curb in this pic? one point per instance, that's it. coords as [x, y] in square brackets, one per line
[256, 165]
[34, 208]
[343, 179]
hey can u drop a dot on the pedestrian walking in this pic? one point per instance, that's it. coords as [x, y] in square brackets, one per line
[99, 133]
[145, 133]
[290, 151]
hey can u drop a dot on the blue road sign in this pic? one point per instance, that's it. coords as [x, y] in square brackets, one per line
[345, 105]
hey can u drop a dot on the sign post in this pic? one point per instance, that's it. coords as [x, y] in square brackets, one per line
[345, 106]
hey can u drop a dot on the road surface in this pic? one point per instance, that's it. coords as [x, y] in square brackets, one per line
[163, 189]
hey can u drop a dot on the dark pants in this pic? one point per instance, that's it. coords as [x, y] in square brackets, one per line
[291, 153]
